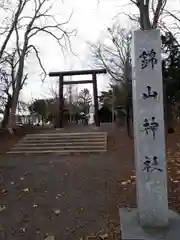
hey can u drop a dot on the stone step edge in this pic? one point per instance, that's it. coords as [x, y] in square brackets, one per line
[60, 147]
[68, 134]
[63, 137]
[59, 143]
[57, 152]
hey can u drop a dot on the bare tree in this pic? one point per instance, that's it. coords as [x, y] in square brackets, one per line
[112, 53]
[175, 28]
[9, 62]
[7, 30]
[26, 28]
[144, 6]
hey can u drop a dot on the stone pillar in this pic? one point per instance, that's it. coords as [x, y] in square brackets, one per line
[150, 160]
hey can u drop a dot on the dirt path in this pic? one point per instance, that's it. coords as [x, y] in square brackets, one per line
[73, 196]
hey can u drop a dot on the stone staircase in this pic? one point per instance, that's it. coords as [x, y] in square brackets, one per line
[61, 143]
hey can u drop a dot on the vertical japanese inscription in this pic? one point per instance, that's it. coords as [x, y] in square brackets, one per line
[148, 57]
[150, 126]
[149, 93]
[151, 164]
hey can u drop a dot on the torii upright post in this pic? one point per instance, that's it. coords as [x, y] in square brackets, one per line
[96, 107]
[61, 101]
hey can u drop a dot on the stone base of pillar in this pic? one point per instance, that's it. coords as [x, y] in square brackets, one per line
[132, 230]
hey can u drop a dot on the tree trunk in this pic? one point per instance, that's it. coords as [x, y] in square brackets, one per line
[6, 112]
[12, 115]
[144, 15]
[17, 89]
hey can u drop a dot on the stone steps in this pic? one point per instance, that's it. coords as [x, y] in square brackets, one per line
[43, 144]
[57, 152]
[59, 136]
[62, 139]
[61, 143]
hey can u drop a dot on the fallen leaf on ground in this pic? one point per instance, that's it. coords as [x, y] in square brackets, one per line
[3, 191]
[1, 228]
[91, 238]
[57, 211]
[38, 232]
[50, 238]
[133, 177]
[58, 196]
[35, 206]
[124, 183]
[103, 236]
[176, 181]
[2, 208]
[26, 190]
[12, 183]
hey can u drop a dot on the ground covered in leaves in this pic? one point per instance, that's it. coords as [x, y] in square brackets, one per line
[72, 197]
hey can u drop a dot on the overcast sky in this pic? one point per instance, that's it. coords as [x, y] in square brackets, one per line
[91, 20]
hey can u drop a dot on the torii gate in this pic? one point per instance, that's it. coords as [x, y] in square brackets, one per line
[61, 76]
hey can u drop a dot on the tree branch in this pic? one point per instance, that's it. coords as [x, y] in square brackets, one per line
[38, 58]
